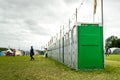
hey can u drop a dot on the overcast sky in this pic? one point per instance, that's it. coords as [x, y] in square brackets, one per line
[34, 22]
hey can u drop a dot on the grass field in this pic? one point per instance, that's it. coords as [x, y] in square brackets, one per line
[21, 68]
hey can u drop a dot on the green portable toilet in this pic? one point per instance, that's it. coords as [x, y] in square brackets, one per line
[90, 46]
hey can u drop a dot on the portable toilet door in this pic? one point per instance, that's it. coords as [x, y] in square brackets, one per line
[90, 46]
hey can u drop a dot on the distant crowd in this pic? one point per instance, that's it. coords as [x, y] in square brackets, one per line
[17, 52]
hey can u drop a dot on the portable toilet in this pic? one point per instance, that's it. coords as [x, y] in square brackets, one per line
[89, 46]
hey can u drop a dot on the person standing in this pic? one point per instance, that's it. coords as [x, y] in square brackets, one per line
[46, 53]
[31, 53]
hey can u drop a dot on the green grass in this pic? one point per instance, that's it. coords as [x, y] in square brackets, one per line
[21, 68]
[113, 57]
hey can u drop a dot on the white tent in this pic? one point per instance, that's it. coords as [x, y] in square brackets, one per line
[18, 53]
[9, 50]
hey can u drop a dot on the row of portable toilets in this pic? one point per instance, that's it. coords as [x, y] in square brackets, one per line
[79, 48]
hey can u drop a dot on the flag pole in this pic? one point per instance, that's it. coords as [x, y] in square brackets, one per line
[102, 12]
[76, 15]
[93, 17]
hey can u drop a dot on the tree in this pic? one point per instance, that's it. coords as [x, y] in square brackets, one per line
[118, 43]
[3, 49]
[111, 42]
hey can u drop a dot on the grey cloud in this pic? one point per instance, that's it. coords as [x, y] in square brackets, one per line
[71, 1]
[25, 19]
[21, 19]
[111, 12]
[39, 31]
[23, 9]
[4, 22]
[23, 5]
[10, 34]
[34, 27]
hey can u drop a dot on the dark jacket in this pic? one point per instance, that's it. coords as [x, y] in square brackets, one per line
[31, 51]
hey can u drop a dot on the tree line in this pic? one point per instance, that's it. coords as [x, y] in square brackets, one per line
[112, 41]
[3, 49]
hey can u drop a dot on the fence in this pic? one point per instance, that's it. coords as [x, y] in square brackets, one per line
[80, 48]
